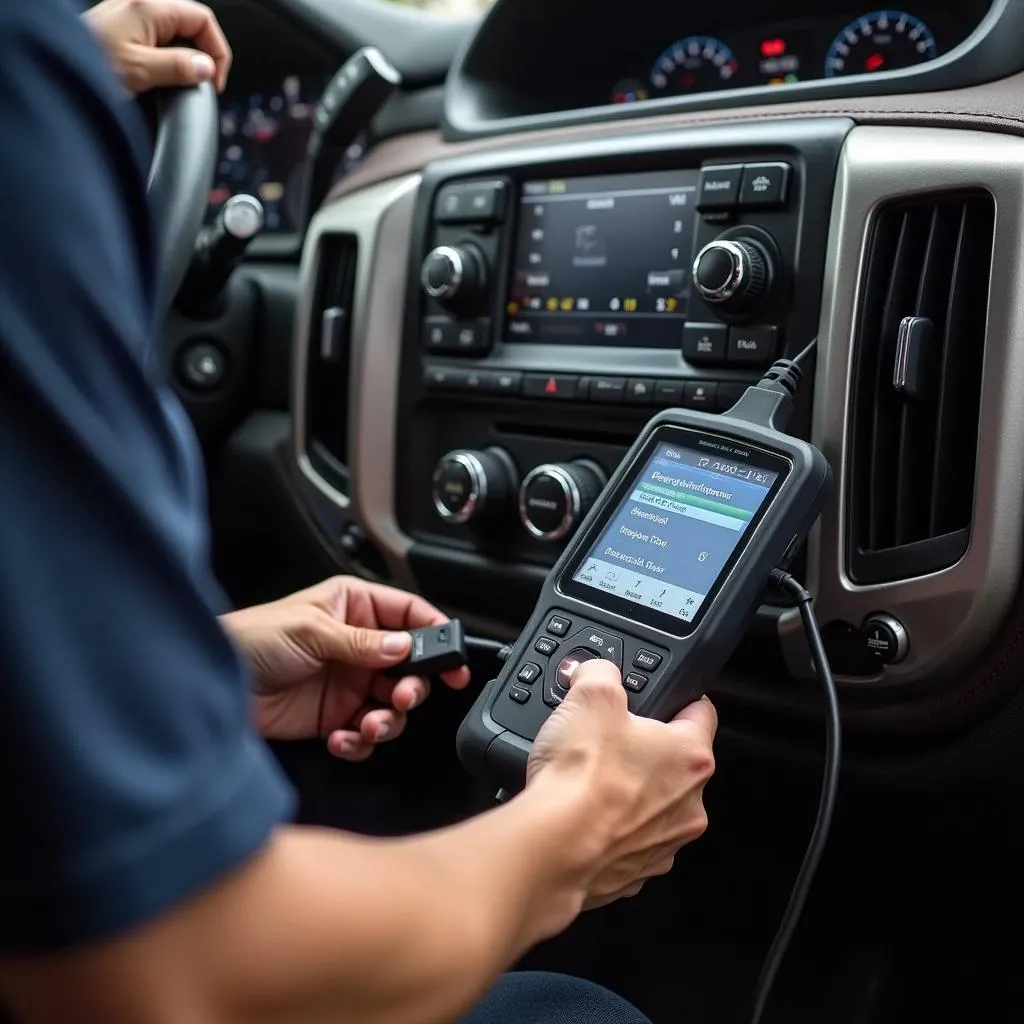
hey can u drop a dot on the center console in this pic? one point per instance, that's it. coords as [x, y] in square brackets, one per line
[561, 295]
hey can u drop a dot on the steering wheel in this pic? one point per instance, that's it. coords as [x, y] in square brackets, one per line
[184, 160]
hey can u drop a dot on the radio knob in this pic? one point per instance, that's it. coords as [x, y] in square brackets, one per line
[471, 485]
[732, 273]
[555, 497]
[455, 275]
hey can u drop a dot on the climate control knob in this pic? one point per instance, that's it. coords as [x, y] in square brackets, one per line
[554, 497]
[455, 275]
[733, 273]
[470, 485]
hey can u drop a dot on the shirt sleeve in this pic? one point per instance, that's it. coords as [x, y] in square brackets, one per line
[130, 775]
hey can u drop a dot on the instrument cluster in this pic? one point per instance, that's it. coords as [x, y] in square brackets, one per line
[798, 50]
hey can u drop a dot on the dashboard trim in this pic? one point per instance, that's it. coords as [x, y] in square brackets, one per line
[951, 615]
[380, 218]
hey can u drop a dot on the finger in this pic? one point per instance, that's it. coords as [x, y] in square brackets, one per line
[359, 645]
[457, 679]
[348, 745]
[184, 19]
[409, 693]
[598, 680]
[382, 724]
[702, 715]
[398, 609]
[174, 66]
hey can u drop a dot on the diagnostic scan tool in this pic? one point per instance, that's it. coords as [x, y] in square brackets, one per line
[664, 575]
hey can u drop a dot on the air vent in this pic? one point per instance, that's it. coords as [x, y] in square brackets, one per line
[917, 386]
[327, 370]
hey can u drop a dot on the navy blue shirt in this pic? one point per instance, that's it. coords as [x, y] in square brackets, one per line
[129, 772]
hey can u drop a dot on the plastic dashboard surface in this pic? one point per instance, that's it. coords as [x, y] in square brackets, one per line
[582, 69]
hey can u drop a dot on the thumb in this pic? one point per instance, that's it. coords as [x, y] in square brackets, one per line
[366, 648]
[160, 66]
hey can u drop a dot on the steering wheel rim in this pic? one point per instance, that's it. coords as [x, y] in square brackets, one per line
[184, 160]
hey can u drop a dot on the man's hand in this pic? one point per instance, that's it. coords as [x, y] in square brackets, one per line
[136, 34]
[318, 657]
[642, 781]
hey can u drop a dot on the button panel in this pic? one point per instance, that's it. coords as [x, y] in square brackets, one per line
[444, 336]
[469, 202]
[726, 187]
[560, 649]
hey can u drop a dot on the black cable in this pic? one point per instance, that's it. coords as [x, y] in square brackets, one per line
[801, 356]
[826, 805]
[485, 645]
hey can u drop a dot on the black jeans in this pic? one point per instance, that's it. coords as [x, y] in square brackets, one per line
[533, 998]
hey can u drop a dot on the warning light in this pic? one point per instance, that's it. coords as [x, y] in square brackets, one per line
[552, 304]
[512, 308]
[551, 388]
[773, 47]
[874, 62]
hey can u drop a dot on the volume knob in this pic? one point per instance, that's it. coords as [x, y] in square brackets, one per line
[732, 273]
[555, 497]
[470, 486]
[455, 275]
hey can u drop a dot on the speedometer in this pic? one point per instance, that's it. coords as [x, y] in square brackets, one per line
[880, 41]
[694, 64]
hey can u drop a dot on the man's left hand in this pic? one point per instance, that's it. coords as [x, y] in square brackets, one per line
[136, 34]
[319, 658]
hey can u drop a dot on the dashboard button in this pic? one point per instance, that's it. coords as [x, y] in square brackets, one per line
[472, 337]
[438, 334]
[546, 646]
[705, 344]
[635, 681]
[700, 395]
[202, 366]
[719, 187]
[753, 346]
[646, 660]
[640, 392]
[518, 694]
[543, 385]
[476, 201]
[558, 625]
[764, 185]
[607, 389]
[668, 392]
[445, 378]
[505, 382]
[729, 393]
[477, 380]
[528, 673]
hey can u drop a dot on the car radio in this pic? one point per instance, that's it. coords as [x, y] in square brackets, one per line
[560, 295]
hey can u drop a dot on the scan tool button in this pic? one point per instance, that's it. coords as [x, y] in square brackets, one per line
[647, 660]
[569, 664]
[603, 645]
[528, 673]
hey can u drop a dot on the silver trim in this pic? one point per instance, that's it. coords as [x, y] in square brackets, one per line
[328, 319]
[478, 486]
[454, 282]
[380, 218]
[736, 278]
[952, 615]
[573, 501]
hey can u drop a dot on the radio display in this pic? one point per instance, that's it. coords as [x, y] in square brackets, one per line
[603, 260]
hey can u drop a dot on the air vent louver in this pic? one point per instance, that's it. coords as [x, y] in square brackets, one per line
[327, 369]
[917, 386]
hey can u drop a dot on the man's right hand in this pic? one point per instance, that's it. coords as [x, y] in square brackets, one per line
[642, 782]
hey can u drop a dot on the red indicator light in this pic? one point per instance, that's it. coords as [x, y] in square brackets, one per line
[874, 62]
[773, 47]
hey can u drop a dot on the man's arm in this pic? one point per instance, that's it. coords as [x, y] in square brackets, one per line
[326, 927]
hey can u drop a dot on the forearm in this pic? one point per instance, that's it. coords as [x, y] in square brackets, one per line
[325, 927]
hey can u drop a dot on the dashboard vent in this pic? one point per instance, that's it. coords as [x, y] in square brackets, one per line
[917, 385]
[327, 369]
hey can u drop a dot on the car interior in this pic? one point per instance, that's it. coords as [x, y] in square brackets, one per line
[415, 339]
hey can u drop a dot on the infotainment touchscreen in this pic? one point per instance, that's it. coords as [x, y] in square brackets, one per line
[603, 260]
[682, 521]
